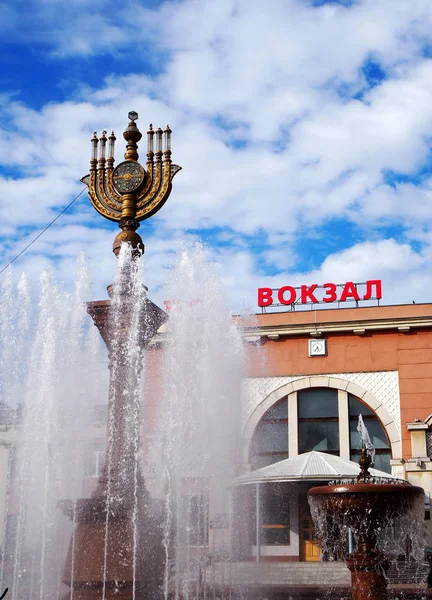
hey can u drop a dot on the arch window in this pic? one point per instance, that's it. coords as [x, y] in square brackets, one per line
[319, 426]
[270, 439]
[376, 431]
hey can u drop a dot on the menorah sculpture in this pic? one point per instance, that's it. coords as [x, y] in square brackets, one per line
[129, 193]
[115, 549]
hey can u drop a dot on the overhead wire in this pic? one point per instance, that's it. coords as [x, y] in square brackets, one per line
[42, 232]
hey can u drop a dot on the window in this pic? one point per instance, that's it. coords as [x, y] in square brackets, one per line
[318, 425]
[429, 443]
[193, 520]
[15, 462]
[100, 414]
[10, 537]
[270, 440]
[96, 460]
[376, 431]
[274, 514]
[7, 416]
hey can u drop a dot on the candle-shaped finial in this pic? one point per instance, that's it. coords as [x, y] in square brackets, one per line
[159, 134]
[150, 134]
[94, 143]
[112, 139]
[102, 148]
[167, 138]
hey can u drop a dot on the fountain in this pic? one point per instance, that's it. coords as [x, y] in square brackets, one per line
[125, 539]
[114, 548]
[366, 507]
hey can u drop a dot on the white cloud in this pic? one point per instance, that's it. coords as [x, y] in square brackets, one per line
[266, 142]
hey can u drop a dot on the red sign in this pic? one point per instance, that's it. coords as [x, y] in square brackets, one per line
[312, 294]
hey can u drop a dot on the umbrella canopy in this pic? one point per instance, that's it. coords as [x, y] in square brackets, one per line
[310, 466]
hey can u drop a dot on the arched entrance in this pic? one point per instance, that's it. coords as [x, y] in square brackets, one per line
[304, 416]
[344, 388]
[324, 420]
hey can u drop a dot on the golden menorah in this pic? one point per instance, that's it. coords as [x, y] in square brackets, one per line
[129, 193]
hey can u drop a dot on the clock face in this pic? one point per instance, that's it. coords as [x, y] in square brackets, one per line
[128, 176]
[317, 347]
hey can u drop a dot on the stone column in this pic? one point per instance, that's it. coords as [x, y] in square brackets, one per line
[116, 549]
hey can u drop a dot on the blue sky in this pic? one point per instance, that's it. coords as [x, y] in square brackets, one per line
[303, 128]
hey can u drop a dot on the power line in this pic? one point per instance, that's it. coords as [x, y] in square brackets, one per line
[42, 232]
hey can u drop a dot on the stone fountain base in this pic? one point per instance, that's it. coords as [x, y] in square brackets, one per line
[368, 574]
[125, 567]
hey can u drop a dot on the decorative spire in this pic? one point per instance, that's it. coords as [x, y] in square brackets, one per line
[132, 135]
[364, 462]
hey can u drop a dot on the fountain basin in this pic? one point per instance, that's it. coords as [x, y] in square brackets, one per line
[356, 502]
[366, 508]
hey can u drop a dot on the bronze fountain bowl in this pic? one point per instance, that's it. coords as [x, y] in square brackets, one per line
[367, 506]
[371, 501]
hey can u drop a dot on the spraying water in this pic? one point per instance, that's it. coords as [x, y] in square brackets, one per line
[365, 438]
[128, 326]
[54, 374]
[199, 427]
[52, 377]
